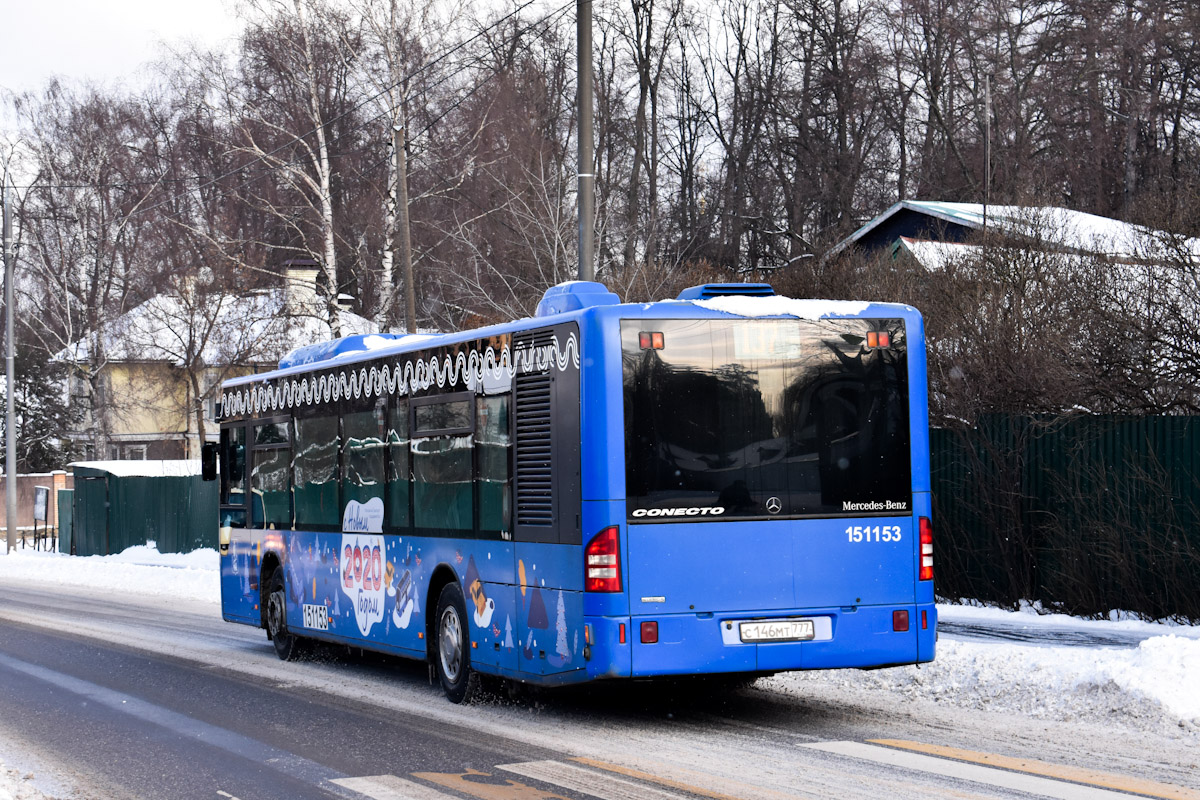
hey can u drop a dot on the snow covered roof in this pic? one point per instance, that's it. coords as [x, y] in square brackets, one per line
[1130, 282]
[1058, 227]
[147, 469]
[220, 329]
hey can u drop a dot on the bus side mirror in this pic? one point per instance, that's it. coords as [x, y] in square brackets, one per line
[208, 461]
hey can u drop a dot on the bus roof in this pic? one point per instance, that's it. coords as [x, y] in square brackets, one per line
[570, 300]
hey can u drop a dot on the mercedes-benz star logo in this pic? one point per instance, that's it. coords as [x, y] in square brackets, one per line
[773, 505]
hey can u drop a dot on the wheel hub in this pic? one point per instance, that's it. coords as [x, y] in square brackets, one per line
[275, 613]
[450, 644]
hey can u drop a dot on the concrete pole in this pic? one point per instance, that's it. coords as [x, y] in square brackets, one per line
[10, 427]
[587, 179]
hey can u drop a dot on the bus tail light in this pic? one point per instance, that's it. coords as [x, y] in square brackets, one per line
[603, 562]
[649, 632]
[900, 621]
[926, 573]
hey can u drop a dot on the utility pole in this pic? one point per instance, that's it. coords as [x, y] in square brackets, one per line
[410, 292]
[987, 151]
[10, 427]
[587, 179]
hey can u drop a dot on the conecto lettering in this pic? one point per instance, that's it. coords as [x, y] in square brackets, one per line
[685, 511]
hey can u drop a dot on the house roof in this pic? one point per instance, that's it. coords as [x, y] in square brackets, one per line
[220, 329]
[1060, 227]
[937, 256]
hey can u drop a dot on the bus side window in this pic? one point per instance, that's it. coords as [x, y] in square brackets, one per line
[233, 476]
[493, 457]
[442, 455]
[399, 469]
[363, 452]
[270, 499]
[315, 472]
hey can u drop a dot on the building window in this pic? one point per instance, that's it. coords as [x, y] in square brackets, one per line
[135, 452]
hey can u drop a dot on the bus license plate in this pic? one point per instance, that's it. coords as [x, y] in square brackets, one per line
[777, 630]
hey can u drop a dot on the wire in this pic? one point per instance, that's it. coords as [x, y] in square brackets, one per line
[416, 73]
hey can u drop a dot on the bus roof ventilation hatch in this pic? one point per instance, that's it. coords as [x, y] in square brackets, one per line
[574, 296]
[707, 291]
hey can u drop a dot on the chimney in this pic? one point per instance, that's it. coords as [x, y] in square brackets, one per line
[300, 288]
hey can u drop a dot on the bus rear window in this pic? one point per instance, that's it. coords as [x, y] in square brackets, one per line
[749, 418]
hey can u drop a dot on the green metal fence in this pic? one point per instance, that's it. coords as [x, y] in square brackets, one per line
[1083, 513]
[114, 511]
[66, 516]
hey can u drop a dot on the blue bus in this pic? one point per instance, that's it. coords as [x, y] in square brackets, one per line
[731, 482]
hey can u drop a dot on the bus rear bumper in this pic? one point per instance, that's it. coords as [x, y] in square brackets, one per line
[694, 644]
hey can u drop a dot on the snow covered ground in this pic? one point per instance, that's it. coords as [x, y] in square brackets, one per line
[1043, 666]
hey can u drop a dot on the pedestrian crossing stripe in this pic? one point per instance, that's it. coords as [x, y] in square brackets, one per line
[1106, 780]
[592, 778]
[588, 782]
[990, 776]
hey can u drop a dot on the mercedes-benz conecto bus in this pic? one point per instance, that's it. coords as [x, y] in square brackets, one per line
[730, 482]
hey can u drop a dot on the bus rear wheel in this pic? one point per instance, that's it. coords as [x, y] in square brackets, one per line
[452, 650]
[288, 646]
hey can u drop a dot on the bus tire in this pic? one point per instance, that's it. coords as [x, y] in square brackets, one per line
[288, 646]
[452, 650]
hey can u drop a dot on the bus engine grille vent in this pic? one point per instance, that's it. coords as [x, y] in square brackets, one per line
[534, 450]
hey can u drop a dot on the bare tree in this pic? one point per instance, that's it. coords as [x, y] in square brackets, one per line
[81, 231]
[282, 109]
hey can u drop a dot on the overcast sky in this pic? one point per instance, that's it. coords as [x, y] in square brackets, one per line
[101, 40]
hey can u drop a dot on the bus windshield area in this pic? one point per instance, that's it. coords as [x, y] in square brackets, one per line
[759, 419]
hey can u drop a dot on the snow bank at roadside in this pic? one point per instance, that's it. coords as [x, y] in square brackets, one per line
[15, 785]
[1149, 687]
[140, 570]
[1033, 618]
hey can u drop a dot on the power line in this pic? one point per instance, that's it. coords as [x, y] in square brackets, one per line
[296, 139]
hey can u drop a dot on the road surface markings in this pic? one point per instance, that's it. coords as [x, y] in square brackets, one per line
[746, 790]
[976, 773]
[485, 786]
[1121, 783]
[587, 781]
[605, 781]
[215, 736]
[389, 787]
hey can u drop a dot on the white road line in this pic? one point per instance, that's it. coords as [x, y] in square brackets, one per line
[389, 787]
[988, 776]
[589, 782]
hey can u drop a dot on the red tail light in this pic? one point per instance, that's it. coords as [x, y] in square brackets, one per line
[603, 558]
[926, 573]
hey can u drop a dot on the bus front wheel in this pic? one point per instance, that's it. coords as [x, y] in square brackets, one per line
[288, 646]
[452, 651]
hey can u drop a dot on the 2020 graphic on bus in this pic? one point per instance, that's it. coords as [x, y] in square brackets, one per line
[602, 491]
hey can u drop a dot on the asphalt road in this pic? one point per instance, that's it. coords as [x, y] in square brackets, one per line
[136, 698]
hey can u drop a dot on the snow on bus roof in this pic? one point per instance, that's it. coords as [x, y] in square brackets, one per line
[779, 306]
[178, 468]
